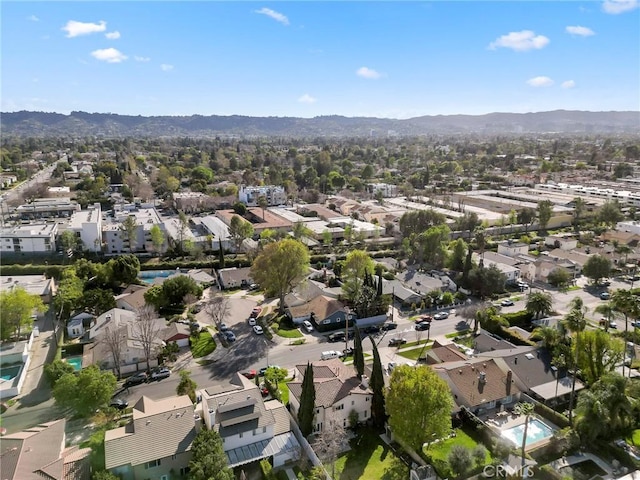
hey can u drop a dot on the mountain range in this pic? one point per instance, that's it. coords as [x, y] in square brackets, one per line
[77, 124]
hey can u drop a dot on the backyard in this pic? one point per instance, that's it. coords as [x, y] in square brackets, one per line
[369, 458]
[438, 452]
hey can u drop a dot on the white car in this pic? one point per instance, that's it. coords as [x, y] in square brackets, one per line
[252, 321]
[441, 316]
[307, 326]
[258, 329]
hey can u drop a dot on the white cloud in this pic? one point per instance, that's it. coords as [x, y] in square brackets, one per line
[615, 7]
[520, 41]
[141, 59]
[568, 84]
[75, 29]
[366, 72]
[581, 31]
[33, 18]
[277, 16]
[540, 82]
[109, 55]
[306, 98]
[112, 35]
[165, 67]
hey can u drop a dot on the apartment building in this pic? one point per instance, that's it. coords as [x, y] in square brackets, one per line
[275, 195]
[36, 238]
[116, 239]
[87, 225]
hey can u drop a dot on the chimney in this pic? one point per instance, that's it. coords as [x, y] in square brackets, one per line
[515, 360]
[509, 380]
[365, 382]
[483, 378]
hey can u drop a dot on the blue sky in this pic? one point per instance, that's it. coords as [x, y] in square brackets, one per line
[303, 58]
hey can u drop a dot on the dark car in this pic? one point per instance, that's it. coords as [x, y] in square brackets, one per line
[160, 373]
[337, 337]
[136, 379]
[230, 336]
[118, 404]
[372, 329]
[420, 326]
[396, 342]
[389, 326]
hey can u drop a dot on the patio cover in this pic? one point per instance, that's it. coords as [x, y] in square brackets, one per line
[279, 444]
[547, 391]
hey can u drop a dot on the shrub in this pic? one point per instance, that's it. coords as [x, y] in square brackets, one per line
[267, 470]
[518, 319]
[546, 412]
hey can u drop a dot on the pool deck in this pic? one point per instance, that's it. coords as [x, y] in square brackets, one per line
[574, 459]
[506, 420]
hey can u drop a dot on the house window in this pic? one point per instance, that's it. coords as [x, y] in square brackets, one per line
[339, 407]
[367, 399]
[317, 410]
[264, 429]
[174, 456]
[152, 464]
[326, 321]
[365, 414]
[164, 477]
[184, 471]
[353, 402]
[344, 422]
[240, 434]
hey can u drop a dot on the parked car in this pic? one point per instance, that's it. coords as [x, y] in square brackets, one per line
[230, 336]
[337, 337]
[223, 327]
[635, 323]
[506, 303]
[118, 404]
[420, 326]
[258, 330]
[329, 354]
[372, 329]
[441, 315]
[389, 326]
[613, 325]
[605, 296]
[348, 351]
[264, 391]
[253, 287]
[256, 311]
[249, 374]
[252, 321]
[137, 379]
[396, 342]
[307, 326]
[160, 373]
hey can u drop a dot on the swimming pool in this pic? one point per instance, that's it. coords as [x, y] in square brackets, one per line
[149, 275]
[75, 362]
[9, 373]
[537, 431]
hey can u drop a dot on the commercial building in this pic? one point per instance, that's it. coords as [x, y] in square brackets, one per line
[47, 208]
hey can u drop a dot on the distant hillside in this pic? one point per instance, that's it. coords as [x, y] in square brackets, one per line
[113, 125]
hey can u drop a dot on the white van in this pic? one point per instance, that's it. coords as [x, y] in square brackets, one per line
[329, 354]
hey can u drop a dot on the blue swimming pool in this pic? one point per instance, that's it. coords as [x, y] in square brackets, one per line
[11, 372]
[149, 275]
[75, 362]
[537, 431]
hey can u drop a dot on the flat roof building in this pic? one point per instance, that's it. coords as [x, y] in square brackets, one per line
[36, 238]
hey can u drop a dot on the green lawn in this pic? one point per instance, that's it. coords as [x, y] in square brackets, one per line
[457, 334]
[284, 391]
[369, 458]
[288, 333]
[416, 343]
[439, 451]
[634, 438]
[414, 353]
[203, 345]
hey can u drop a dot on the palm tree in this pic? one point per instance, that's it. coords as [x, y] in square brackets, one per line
[607, 310]
[576, 322]
[549, 336]
[526, 409]
[627, 304]
[539, 303]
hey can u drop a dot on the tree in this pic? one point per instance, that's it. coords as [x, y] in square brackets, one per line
[113, 338]
[263, 204]
[417, 221]
[358, 354]
[579, 206]
[356, 266]
[597, 353]
[608, 311]
[539, 304]
[526, 216]
[458, 254]
[68, 241]
[208, 460]
[130, 230]
[301, 230]
[559, 278]
[146, 330]
[157, 238]
[218, 308]
[183, 227]
[610, 214]
[103, 475]
[85, 391]
[175, 289]
[467, 223]
[479, 454]
[70, 291]
[378, 411]
[17, 308]
[97, 301]
[239, 231]
[307, 402]
[220, 254]
[597, 267]
[280, 267]
[526, 409]
[459, 459]
[331, 442]
[55, 370]
[486, 281]
[125, 268]
[169, 353]
[545, 211]
[187, 386]
[155, 297]
[428, 416]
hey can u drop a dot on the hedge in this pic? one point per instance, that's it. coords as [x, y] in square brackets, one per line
[557, 418]
[267, 470]
[518, 319]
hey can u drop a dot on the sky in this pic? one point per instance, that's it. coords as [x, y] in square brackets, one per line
[305, 59]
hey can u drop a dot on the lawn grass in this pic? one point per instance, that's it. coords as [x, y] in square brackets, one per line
[438, 452]
[369, 458]
[414, 353]
[203, 345]
[416, 343]
[457, 334]
[284, 391]
[634, 438]
[288, 332]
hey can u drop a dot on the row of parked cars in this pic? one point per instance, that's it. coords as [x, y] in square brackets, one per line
[157, 373]
[340, 336]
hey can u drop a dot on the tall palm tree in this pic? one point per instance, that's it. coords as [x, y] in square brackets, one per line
[576, 322]
[539, 303]
[627, 304]
[549, 336]
[526, 409]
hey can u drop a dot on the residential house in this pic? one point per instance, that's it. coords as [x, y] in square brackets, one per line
[623, 238]
[487, 342]
[6, 180]
[307, 290]
[39, 453]
[338, 393]
[178, 333]
[387, 190]
[524, 263]
[116, 240]
[422, 283]
[402, 294]
[47, 208]
[326, 312]
[479, 384]
[443, 353]
[156, 443]
[132, 298]
[512, 249]
[251, 429]
[32, 238]
[39, 285]
[217, 230]
[234, 277]
[511, 273]
[78, 324]
[563, 242]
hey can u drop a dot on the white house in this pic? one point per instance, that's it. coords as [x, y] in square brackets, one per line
[338, 393]
[76, 324]
[87, 225]
[561, 242]
[36, 238]
[512, 249]
[251, 428]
